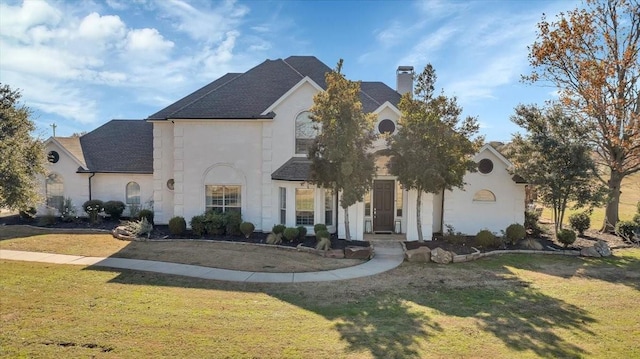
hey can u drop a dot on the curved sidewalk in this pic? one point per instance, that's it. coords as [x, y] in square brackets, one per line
[386, 257]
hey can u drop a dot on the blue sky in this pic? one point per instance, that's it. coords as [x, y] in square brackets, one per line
[80, 64]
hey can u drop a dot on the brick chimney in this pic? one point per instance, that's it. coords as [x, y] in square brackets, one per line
[404, 79]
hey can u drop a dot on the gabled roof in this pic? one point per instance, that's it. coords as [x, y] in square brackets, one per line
[72, 147]
[295, 169]
[119, 146]
[248, 95]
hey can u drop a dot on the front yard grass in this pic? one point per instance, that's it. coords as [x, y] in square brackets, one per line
[501, 307]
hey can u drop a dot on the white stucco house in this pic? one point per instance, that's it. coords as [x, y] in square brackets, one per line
[240, 143]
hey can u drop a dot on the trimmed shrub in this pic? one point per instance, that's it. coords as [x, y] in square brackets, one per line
[214, 223]
[580, 222]
[290, 233]
[625, 229]
[274, 238]
[198, 225]
[278, 228]
[515, 232]
[146, 213]
[486, 239]
[247, 229]
[232, 221]
[92, 208]
[324, 244]
[114, 209]
[177, 226]
[566, 237]
[319, 227]
[28, 214]
[302, 233]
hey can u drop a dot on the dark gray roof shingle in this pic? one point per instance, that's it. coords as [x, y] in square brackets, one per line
[119, 146]
[295, 169]
[248, 95]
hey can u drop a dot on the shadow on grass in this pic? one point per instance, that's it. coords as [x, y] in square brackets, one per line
[400, 316]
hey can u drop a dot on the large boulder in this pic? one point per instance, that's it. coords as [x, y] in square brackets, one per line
[602, 247]
[441, 256]
[589, 252]
[357, 252]
[420, 254]
[334, 253]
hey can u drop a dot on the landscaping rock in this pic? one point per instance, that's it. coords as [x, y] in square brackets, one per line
[420, 254]
[357, 252]
[602, 247]
[334, 253]
[441, 256]
[589, 252]
[533, 244]
[121, 233]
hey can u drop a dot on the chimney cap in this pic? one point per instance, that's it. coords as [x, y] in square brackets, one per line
[405, 68]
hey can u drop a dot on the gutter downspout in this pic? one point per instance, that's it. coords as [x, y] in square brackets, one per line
[92, 174]
[442, 213]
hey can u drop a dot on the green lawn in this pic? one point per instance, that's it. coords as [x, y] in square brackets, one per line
[503, 307]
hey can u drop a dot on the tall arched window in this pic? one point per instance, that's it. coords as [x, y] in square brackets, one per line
[133, 194]
[306, 132]
[55, 191]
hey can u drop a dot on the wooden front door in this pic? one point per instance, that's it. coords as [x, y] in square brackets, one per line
[383, 205]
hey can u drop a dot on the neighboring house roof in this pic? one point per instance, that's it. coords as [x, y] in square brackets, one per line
[295, 169]
[248, 95]
[119, 146]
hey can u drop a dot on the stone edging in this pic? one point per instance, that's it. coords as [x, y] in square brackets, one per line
[55, 229]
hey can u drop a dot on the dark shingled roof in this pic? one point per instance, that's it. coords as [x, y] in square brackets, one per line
[248, 95]
[119, 146]
[295, 169]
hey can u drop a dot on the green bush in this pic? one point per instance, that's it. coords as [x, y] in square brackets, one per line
[278, 228]
[146, 213]
[580, 222]
[486, 239]
[177, 226]
[198, 225]
[566, 237]
[28, 214]
[515, 232]
[302, 233]
[247, 229]
[274, 238]
[290, 233]
[319, 227]
[214, 223]
[114, 209]
[531, 223]
[322, 234]
[68, 212]
[625, 229]
[232, 221]
[92, 208]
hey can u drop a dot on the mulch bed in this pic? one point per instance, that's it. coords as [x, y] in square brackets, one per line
[161, 232]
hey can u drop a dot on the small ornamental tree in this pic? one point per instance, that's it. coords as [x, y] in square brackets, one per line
[554, 156]
[432, 135]
[340, 154]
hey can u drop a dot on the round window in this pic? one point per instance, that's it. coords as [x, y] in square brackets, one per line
[386, 126]
[170, 184]
[53, 156]
[485, 166]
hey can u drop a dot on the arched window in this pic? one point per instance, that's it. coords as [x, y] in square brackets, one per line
[306, 132]
[55, 191]
[133, 194]
[484, 195]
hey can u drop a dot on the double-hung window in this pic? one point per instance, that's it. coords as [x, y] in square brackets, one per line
[304, 206]
[223, 198]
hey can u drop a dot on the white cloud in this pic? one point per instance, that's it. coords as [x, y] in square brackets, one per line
[15, 21]
[147, 40]
[102, 28]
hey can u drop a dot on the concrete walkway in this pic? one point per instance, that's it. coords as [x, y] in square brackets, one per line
[388, 255]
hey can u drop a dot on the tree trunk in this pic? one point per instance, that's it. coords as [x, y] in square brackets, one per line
[418, 215]
[611, 213]
[347, 232]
